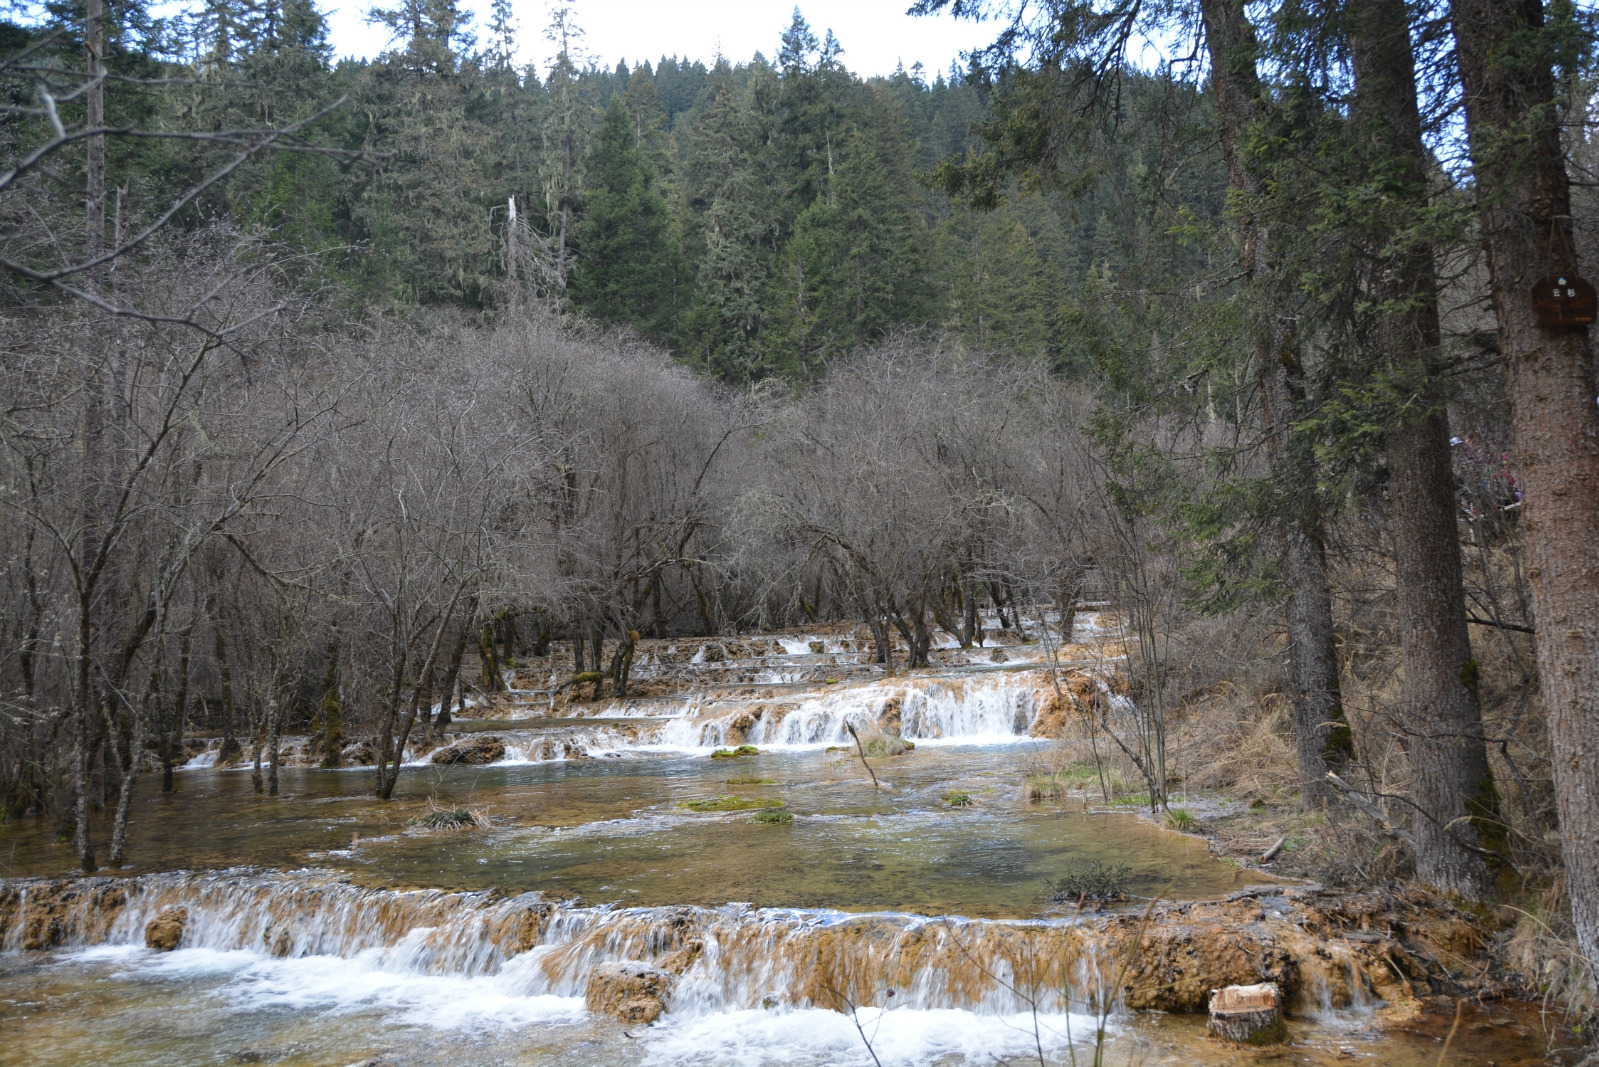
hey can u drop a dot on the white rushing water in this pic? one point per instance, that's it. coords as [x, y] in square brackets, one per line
[304, 946]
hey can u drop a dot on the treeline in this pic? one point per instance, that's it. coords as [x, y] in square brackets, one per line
[757, 218]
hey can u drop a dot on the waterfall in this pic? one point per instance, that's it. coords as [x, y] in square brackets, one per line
[747, 957]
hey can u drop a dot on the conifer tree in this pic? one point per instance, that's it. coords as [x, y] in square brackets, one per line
[731, 230]
[631, 264]
[856, 264]
[566, 134]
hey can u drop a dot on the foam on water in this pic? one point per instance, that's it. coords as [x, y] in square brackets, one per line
[822, 1037]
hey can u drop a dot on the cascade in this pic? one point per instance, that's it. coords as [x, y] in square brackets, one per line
[530, 946]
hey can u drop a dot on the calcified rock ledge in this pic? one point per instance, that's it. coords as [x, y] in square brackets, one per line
[1392, 950]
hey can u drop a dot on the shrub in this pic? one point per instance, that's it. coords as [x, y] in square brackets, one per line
[449, 819]
[1095, 880]
[774, 815]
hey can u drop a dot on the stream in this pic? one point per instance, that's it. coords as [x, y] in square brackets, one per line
[326, 928]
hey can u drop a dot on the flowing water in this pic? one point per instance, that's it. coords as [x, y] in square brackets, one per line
[325, 928]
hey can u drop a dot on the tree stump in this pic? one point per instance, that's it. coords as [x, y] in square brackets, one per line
[1248, 1014]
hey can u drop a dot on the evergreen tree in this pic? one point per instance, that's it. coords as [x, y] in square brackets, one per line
[856, 264]
[565, 135]
[731, 229]
[631, 264]
[502, 35]
[424, 211]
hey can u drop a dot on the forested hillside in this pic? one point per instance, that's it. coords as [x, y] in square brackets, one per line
[756, 217]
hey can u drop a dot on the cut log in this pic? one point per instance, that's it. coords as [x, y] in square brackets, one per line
[1248, 1014]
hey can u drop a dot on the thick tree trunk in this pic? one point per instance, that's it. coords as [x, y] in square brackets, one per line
[1321, 730]
[1513, 124]
[622, 663]
[1452, 784]
[883, 647]
[489, 662]
[971, 629]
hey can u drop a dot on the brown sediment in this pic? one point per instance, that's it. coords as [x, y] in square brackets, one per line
[45, 914]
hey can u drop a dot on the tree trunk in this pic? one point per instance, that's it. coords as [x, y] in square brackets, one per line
[1513, 125]
[230, 742]
[93, 117]
[622, 664]
[84, 694]
[457, 654]
[119, 825]
[390, 719]
[180, 708]
[880, 641]
[971, 629]
[332, 709]
[1321, 731]
[274, 715]
[1452, 784]
[489, 663]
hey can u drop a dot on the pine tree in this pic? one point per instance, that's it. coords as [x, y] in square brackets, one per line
[856, 264]
[631, 266]
[566, 134]
[502, 35]
[424, 213]
[729, 228]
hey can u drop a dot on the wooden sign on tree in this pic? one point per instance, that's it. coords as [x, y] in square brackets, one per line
[1564, 300]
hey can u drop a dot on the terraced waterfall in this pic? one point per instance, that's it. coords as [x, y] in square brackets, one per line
[616, 896]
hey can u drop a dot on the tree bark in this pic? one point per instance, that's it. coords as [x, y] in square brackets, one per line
[1505, 56]
[119, 824]
[880, 640]
[180, 707]
[230, 742]
[971, 629]
[1451, 782]
[94, 117]
[1321, 731]
[332, 709]
[274, 723]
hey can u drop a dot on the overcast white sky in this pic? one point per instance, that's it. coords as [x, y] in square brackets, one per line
[876, 34]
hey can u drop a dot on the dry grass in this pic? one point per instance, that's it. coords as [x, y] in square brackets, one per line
[1238, 741]
[448, 817]
[1541, 947]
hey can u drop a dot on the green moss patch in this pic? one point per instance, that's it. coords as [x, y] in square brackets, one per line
[750, 780]
[729, 802]
[959, 800]
[734, 753]
[774, 815]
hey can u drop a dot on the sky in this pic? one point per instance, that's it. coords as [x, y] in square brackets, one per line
[876, 34]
